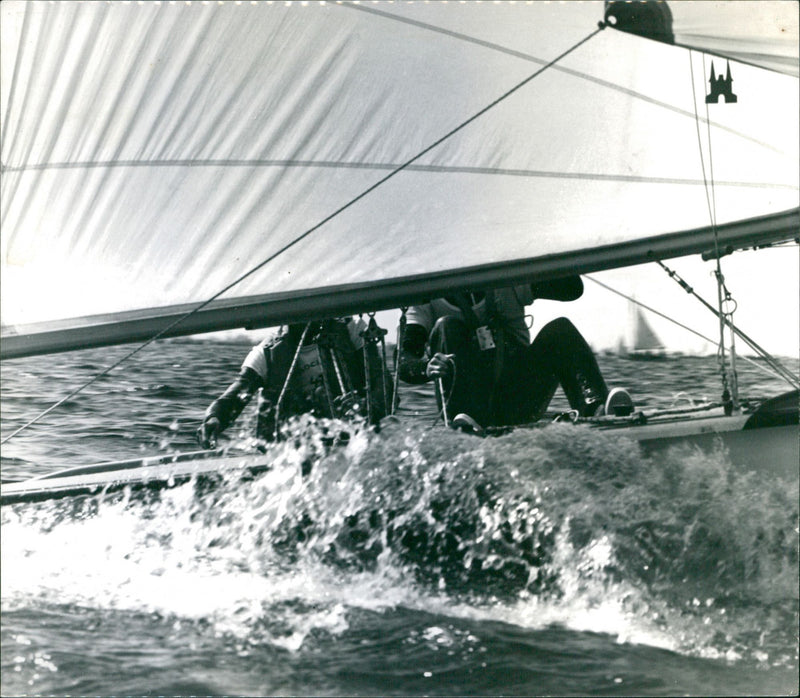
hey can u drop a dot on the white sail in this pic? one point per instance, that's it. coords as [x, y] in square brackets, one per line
[152, 153]
[645, 338]
[643, 342]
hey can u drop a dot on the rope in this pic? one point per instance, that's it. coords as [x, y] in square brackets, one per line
[370, 338]
[445, 398]
[335, 361]
[368, 381]
[326, 382]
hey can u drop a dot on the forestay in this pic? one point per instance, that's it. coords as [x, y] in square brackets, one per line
[152, 153]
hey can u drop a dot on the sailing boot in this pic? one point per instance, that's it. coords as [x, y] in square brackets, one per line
[618, 403]
[463, 422]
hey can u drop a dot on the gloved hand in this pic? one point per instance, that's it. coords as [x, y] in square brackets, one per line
[441, 366]
[208, 432]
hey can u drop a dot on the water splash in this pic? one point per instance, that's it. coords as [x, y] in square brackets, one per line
[548, 526]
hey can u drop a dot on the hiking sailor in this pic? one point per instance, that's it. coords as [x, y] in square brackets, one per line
[317, 368]
[478, 349]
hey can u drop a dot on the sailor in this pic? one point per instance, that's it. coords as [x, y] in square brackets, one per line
[477, 347]
[317, 368]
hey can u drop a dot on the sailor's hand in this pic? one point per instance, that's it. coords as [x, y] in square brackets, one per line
[440, 366]
[208, 433]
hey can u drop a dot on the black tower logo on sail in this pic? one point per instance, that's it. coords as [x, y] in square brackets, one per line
[720, 87]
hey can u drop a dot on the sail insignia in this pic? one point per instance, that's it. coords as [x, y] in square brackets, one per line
[721, 87]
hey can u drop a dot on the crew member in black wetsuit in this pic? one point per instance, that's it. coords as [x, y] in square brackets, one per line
[491, 374]
[328, 379]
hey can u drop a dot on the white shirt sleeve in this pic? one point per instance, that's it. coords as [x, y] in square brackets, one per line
[355, 328]
[257, 360]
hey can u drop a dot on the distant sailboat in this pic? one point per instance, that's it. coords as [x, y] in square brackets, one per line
[645, 344]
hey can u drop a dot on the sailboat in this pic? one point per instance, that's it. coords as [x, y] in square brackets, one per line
[645, 344]
[170, 169]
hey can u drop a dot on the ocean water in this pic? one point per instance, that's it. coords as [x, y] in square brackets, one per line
[417, 561]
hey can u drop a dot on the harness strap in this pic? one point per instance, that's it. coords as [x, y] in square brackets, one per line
[498, 333]
[324, 356]
[500, 347]
[401, 332]
[288, 378]
[372, 336]
[464, 304]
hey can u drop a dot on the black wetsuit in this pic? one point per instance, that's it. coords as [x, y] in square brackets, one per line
[514, 381]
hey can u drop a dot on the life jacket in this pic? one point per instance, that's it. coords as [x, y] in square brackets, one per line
[325, 371]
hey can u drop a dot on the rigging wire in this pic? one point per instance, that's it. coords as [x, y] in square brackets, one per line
[289, 375]
[730, 403]
[774, 363]
[315, 227]
[443, 413]
[647, 307]
[723, 295]
[775, 369]
[700, 145]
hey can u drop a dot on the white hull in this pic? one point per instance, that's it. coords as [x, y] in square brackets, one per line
[770, 450]
[154, 473]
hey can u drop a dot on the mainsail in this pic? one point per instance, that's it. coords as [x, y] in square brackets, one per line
[153, 153]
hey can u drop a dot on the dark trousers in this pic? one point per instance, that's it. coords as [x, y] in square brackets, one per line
[514, 383]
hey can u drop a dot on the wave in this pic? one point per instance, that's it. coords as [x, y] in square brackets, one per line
[540, 527]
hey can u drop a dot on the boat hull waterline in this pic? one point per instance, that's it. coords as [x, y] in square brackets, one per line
[767, 441]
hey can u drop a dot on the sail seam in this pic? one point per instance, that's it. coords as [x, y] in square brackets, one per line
[332, 164]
